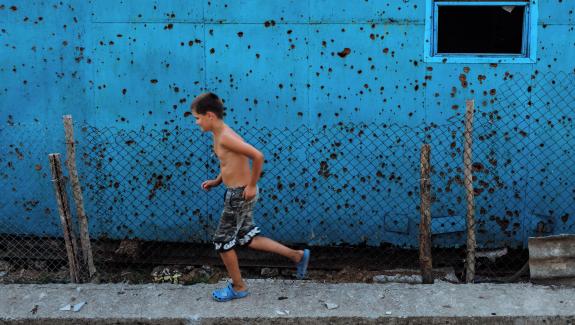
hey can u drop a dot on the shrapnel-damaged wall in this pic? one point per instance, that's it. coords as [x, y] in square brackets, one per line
[335, 93]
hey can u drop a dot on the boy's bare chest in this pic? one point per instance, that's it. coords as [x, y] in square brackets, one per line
[221, 152]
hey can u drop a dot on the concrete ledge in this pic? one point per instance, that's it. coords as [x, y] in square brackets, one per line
[290, 302]
[495, 320]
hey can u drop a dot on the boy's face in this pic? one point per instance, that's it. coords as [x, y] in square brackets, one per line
[204, 121]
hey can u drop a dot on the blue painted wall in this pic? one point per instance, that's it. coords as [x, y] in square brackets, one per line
[336, 94]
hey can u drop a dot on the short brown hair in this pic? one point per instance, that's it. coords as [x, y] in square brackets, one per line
[208, 102]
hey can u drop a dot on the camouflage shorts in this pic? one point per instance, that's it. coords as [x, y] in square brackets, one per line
[236, 225]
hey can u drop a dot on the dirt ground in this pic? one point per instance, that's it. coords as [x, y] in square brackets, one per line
[136, 262]
[37, 272]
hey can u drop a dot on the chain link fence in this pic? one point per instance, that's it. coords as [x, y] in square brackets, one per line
[31, 243]
[350, 191]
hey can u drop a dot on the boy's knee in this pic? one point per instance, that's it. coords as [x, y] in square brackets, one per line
[222, 247]
[245, 238]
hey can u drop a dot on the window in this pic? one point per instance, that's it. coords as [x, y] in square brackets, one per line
[480, 31]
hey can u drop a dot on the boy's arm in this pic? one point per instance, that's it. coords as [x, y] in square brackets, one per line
[244, 148]
[218, 179]
[211, 183]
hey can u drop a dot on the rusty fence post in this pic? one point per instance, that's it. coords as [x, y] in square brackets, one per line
[77, 195]
[425, 260]
[65, 216]
[468, 181]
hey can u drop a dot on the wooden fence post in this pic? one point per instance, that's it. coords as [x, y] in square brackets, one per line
[425, 260]
[65, 218]
[77, 194]
[468, 181]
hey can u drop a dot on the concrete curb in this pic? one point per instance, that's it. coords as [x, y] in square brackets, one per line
[290, 302]
[493, 320]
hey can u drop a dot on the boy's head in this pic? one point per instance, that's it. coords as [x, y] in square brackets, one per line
[208, 102]
[207, 108]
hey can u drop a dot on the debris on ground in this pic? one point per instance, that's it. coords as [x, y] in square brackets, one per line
[73, 307]
[30, 275]
[413, 276]
[204, 274]
[129, 248]
[269, 272]
[165, 274]
[492, 254]
[330, 305]
[187, 275]
[5, 266]
[410, 279]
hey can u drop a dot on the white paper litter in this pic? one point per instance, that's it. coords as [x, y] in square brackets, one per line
[75, 308]
[509, 9]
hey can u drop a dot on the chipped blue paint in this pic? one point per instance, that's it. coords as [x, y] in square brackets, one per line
[338, 94]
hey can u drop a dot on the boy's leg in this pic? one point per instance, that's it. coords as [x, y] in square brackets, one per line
[230, 259]
[225, 237]
[248, 235]
[268, 245]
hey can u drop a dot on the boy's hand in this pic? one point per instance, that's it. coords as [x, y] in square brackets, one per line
[207, 185]
[250, 192]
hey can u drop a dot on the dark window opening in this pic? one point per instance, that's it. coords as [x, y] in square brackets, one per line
[480, 29]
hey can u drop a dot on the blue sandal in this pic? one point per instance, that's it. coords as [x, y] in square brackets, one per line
[228, 293]
[302, 265]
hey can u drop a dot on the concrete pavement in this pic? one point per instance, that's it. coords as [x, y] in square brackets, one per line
[289, 302]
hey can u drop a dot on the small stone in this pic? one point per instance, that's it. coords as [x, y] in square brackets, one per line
[198, 275]
[330, 305]
[451, 277]
[269, 272]
[208, 269]
[5, 266]
[39, 265]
